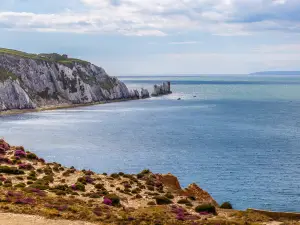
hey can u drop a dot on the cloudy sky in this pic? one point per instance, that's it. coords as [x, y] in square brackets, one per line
[159, 36]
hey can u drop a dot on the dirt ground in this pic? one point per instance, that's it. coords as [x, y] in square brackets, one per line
[15, 219]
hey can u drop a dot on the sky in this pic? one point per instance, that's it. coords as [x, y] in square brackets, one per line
[137, 37]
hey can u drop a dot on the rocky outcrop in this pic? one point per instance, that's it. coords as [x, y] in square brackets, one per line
[163, 89]
[30, 81]
[199, 194]
[170, 181]
[144, 93]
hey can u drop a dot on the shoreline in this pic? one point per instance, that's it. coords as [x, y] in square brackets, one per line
[64, 106]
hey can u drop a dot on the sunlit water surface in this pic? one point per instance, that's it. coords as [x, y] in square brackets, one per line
[238, 137]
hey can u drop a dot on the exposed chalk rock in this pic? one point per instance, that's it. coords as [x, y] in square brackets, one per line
[144, 93]
[163, 89]
[31, 81]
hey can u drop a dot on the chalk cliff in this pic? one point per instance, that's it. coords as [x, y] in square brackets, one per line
[29, 81]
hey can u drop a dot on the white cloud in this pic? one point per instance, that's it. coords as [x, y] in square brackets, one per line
[163, 17]
[183, 42]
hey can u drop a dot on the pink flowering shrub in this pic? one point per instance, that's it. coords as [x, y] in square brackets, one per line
[97, 211]
[4, 145]
[25, 166]
[5, 160]
[20, 153]
[2, 151]
[37, 191]
[107, 201]
[25, 201]
[60, 208]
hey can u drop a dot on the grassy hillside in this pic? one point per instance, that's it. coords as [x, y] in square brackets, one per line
[53, 57]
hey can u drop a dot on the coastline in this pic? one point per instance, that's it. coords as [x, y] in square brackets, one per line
[64, 106]
[54, 194]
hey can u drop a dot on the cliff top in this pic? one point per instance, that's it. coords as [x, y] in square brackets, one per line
[51, 57]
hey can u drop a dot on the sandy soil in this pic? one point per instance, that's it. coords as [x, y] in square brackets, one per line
[15, 219]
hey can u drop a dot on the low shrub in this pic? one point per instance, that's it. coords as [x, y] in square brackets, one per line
[151, 203]
[85, 180]
[206, 208]
[193, 198]
[31, 178]
[115, 175]
[25, 166]
[226, 205]
[162, 200]
[48, 170]
[114, 199]
[78, 187]
[99, 186]
[143, 173]
[150, 188]
[10, 170]
[20, 153]
[48, 179]
[169, 195]
[183, 201]
[32, 156]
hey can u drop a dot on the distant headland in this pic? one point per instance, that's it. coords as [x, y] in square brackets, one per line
[287, 73]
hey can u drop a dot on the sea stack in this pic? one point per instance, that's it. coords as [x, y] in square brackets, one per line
[144, 93]
[163, 89]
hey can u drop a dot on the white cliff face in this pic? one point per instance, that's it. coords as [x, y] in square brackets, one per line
[41, 83]
[9, 89]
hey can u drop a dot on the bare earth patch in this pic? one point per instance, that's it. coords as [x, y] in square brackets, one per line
[15, 219]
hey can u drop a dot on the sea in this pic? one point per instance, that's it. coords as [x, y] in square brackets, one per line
[236, 136]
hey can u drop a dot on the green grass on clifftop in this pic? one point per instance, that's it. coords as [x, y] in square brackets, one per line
[53, 57]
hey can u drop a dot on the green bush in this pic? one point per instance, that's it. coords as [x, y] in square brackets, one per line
[48, 170]
[10, 170]
[99, 186]
[48, 179]
[150, 188]
[114, 198]
[31, 156]
[226, 205]
[151, 203]
[31, 178]
[206, 208]
[143, 173]
[162, 200]
[80, 186]
[193, 198]
[115, 175]
[169, 195]
[184, 202]
[20, 185]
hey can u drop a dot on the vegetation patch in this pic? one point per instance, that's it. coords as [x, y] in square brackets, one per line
[226, 205]
[10, 170]
[206, 208]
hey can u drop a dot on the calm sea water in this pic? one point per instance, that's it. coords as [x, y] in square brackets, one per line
[238, 137]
